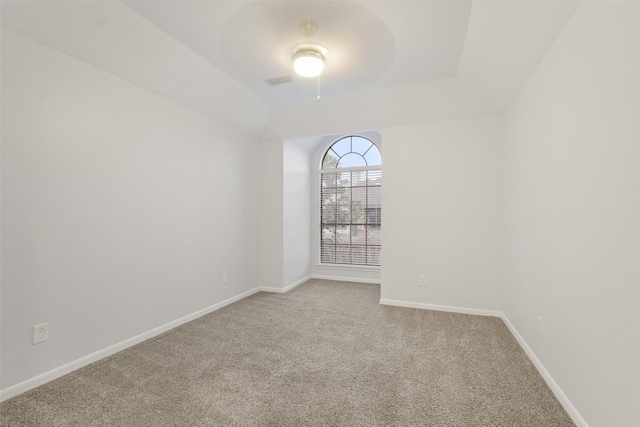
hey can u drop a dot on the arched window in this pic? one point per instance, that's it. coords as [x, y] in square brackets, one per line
[350, 203]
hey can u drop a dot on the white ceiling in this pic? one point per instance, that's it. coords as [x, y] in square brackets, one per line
[415, 42]
[391, 62]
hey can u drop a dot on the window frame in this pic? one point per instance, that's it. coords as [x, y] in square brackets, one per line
[366, 224]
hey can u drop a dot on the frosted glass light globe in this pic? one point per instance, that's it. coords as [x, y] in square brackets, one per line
[308, 63]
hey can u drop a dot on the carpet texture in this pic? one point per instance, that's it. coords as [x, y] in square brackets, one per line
[324, 354]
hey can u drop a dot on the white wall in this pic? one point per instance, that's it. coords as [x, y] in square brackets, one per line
[271, 214]
[442, 213]
[573, 228]
[297, 213]
[120, 211]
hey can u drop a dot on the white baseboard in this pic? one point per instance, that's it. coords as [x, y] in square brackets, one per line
[296, 283]
[271, 289]
[51, 375]
[286, 288]
[345, 279]
[555, 388]
[462, 310]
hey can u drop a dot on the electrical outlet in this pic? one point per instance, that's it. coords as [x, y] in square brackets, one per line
[40, 333]
[225, 278]
[422, 280]
[540, 324]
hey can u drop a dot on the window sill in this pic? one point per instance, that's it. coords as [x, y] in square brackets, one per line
[349, 267]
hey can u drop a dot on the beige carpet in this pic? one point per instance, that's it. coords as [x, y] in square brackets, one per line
[323, 354]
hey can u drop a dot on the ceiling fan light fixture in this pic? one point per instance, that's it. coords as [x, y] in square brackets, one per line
[308, 62]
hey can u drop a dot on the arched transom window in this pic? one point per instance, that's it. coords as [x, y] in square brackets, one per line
[352, 151]
[350, 203]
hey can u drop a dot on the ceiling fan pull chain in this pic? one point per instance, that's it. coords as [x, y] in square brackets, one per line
[318, 87]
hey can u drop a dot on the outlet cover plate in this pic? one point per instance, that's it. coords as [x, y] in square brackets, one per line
[40, 333]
